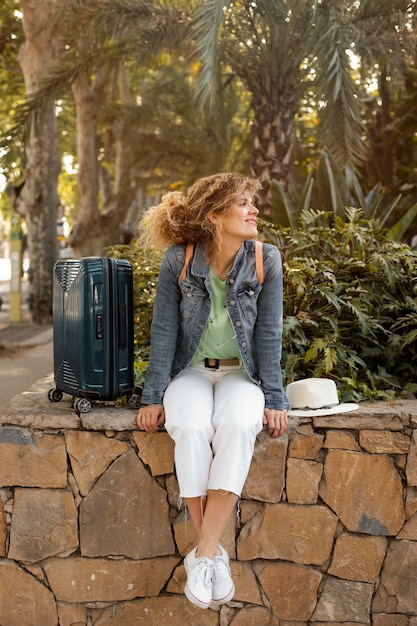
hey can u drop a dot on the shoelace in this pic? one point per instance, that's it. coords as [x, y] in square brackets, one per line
[206, 572]
[218, 565]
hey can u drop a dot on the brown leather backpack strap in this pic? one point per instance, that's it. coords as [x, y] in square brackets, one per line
[259, 260]
[188, 256]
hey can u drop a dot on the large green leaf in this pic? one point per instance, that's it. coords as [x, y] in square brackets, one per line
[331, 185]
[288, 207]
[283, 211]
[398, 230]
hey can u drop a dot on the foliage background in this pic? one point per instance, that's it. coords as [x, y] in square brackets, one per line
[317, 97]
[350, 304]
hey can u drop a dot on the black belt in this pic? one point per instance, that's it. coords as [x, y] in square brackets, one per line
[214, 364]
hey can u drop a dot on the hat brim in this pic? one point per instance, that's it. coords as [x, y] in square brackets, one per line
[339, 408]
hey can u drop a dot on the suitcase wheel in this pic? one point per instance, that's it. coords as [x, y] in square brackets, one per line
[134, 401]
[55, 395]
[82, 405]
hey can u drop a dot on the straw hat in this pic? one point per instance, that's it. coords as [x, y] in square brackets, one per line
[316, 396]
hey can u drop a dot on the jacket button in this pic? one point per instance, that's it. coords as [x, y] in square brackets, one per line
[238, 323]
[232, 281]
[232, 302]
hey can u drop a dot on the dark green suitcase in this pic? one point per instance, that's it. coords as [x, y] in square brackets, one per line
[93, 331]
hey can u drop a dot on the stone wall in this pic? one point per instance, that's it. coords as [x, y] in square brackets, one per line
[91, 533]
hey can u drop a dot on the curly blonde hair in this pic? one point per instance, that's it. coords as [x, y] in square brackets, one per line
[188, 218]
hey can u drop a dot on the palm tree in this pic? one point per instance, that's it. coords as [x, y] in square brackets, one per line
[287, 52]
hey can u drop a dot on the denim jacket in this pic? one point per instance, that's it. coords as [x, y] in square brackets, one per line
[181, 311]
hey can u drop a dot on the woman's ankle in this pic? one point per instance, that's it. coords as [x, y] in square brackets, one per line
[207, 550]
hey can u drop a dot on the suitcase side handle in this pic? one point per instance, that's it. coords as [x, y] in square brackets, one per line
[122, 326]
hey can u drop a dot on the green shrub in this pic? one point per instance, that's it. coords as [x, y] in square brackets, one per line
[145, 267]
[350, 304]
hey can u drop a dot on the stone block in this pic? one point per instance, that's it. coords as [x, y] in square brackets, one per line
[366, 418]
[358, 558]
[410, 502]
[302, 447]
[24, 601]
[177, 581]
[72, 614]
[2, 529]
[162, 611]
[45, 459]
[399, 575]
[266, 478]
[156, 450]
[256, 615]
[90, 454]
[248, 509]
[247, 588]
[340, 440]
[382, 602]
[365, 491]
[381, 619]
[126, 514]
[289, 532]
[79, 580]
[335, 624]
[185, 534]
[49, 419]
[303, 478]
[409, 530]
[291, 589]
[384, 442]
[173, 490]
[303, 429]
[44, 524]
[107, 416]
[342, 601]
[411, 469]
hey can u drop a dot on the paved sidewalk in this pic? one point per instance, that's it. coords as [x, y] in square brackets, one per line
[28, 353]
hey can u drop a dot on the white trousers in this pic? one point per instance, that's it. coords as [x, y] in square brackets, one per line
[213, 416]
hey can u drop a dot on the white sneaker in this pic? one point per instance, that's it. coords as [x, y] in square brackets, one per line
[200, 571]
[223, 586]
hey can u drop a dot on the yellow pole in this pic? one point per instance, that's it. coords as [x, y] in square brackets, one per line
[16, 270]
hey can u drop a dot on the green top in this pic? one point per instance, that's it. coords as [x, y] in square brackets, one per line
[218, 340]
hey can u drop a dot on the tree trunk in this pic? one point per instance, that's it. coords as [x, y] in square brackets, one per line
[85, 237]
[272, 142]
[38, 201]
[98, 227]
[122, 204]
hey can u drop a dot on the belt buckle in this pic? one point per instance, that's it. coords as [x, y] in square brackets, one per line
[211, 367]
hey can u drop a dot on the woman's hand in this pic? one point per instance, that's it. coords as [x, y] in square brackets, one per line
[276, 420]
[151, 417]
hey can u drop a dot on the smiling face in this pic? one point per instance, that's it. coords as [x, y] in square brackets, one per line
[239, 222]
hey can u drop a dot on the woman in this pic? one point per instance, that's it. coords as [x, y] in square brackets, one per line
[214, 374]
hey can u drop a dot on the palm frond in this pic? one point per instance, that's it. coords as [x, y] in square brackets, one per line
[205, 31]
[398, 230]
[101, 20]
[340, 115]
